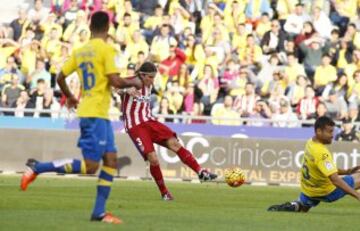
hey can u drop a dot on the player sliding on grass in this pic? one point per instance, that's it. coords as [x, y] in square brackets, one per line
[95, 65]
[144, 130]
[320, 180]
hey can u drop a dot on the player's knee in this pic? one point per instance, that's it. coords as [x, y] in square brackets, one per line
[110, 161]
[174, 144]
[91, 168]
[152, 158]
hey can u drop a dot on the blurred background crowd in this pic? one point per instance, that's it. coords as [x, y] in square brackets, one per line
[285, 60]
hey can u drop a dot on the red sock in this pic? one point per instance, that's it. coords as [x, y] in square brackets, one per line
[158, 177]
[187, 158]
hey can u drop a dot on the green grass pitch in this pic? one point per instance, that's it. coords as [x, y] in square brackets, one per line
[65, 204]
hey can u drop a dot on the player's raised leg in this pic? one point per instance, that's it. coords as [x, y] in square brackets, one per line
[188, 158]
[66, 166]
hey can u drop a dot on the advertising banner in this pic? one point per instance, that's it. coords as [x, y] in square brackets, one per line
[264, 161]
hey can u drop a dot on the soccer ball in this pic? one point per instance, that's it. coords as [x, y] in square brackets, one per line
[234, 177]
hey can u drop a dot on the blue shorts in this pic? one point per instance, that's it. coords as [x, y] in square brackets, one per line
[96, 138]
[331, 197]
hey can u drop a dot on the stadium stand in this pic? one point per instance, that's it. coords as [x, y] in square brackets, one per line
[284, 60]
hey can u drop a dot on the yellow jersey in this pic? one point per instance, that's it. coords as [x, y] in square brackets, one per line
[93, 62]
[317, 166]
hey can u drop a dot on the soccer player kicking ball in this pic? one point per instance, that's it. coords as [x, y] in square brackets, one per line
[144, 130]
[95, 65]
[320, 180]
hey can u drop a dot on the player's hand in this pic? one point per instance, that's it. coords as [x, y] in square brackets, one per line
[133, 92]
[72, 102]
[358, 196]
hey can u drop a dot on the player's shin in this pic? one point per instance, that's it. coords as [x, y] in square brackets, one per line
[158, 177]
[67, 166]
[187, 158]
[103, 190]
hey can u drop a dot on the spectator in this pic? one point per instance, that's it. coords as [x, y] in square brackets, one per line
[347, 133]
[39, 13]
[296, 91]
[19, 24]
[209, 88]
[267, 71]
[183, 77]
[314, 49]
[321, 110]
[262, 26]
[354, 91]
[152, 23]
[21, 104]
[234, 14]
[251, 55]
[274, 40]
[125, 30]
[354, 114]
[336, 106]
[245, 104]
[198, 110]
[7, 48]
[75, 27]
[340, 86]
[39, 73]
[163, 110]
[322, 23]
[261, 111]
[175, 96]
[160, 46]
[324, 74]
[40, 99]
[307, 32]
[295, 21]
[342, 12]
[7, 72]
[225, 110]
[285, 117]
[293, 68]
[11, 92]
[29, 55]
[135, 45]
[171, 65]
[307, 105]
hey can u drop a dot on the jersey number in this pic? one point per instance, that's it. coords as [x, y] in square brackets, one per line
[305, 172]
[88, 75]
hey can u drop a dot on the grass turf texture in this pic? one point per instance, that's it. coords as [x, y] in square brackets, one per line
[65, 204]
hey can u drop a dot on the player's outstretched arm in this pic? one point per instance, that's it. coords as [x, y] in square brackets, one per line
[339, 182]
[349, 171]
[118, 82]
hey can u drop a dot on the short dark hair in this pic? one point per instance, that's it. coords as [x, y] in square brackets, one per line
[322, 122]
[147, 68]
[40, 81]
[99, 21]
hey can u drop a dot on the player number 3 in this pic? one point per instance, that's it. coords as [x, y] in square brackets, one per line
[88, 75]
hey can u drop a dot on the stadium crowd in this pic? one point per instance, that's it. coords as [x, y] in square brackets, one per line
[287, 60]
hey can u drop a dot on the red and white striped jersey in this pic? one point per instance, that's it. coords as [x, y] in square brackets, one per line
[136, 110]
